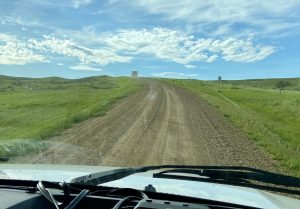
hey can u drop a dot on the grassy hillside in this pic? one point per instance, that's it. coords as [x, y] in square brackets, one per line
[269, 118]
[275, 83]
[35, 109]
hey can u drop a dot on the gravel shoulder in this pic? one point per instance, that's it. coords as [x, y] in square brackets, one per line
[161, 124]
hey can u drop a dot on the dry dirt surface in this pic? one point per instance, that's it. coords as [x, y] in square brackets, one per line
[161, 124]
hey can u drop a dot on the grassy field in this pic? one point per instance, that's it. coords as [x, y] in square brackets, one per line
[292, 84]
[34, 109]
[266, 116]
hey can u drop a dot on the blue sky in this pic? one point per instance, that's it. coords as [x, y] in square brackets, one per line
[162, 38]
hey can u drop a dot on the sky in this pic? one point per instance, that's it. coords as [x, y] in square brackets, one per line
[197, 39]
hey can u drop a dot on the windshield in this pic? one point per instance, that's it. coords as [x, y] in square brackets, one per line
[139, 83]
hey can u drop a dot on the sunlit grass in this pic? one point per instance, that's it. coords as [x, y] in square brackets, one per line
[266, 116]
[40, 108]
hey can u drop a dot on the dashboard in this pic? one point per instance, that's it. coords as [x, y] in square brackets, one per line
[16, 194]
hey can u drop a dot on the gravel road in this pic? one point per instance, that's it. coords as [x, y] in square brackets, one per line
[161, 124]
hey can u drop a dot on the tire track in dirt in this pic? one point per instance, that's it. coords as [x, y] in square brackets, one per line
[161, 124]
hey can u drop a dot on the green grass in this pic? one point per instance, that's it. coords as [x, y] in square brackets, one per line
[34, 109]
[290, 83]
[266, 116]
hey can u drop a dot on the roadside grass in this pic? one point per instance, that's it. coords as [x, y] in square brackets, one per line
[292, 84]
[266, 116]
[35, 109]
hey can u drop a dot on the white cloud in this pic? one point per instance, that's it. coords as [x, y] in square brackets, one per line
[189, 66]
[123, 45]
[174, 75]
[60, 64]
[80, 3]
[100, 55]
[218, 15]
[214, 57]
[85, 67]
[17, 52]
[241, 50]
[20, 52]
[163, 43]
[179, 47]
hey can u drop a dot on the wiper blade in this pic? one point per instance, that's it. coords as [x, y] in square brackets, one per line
[231, 175]
[115, 174]
[243, 176]
[234, 174]
[111, 175]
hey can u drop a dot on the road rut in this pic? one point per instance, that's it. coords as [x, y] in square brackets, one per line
[161, 124]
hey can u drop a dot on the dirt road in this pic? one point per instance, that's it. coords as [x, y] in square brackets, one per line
[160, 125]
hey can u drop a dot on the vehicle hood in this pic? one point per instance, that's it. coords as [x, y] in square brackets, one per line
[212, 191]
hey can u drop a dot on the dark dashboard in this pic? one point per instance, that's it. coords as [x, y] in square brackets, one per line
[25, 195]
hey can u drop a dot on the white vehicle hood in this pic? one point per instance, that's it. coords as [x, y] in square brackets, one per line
[212, 191]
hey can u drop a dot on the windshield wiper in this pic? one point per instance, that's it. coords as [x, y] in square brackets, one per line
[230, 175]
[243, 176]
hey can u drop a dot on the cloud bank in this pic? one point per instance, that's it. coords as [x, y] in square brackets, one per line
[182, 48]
[122, 46]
